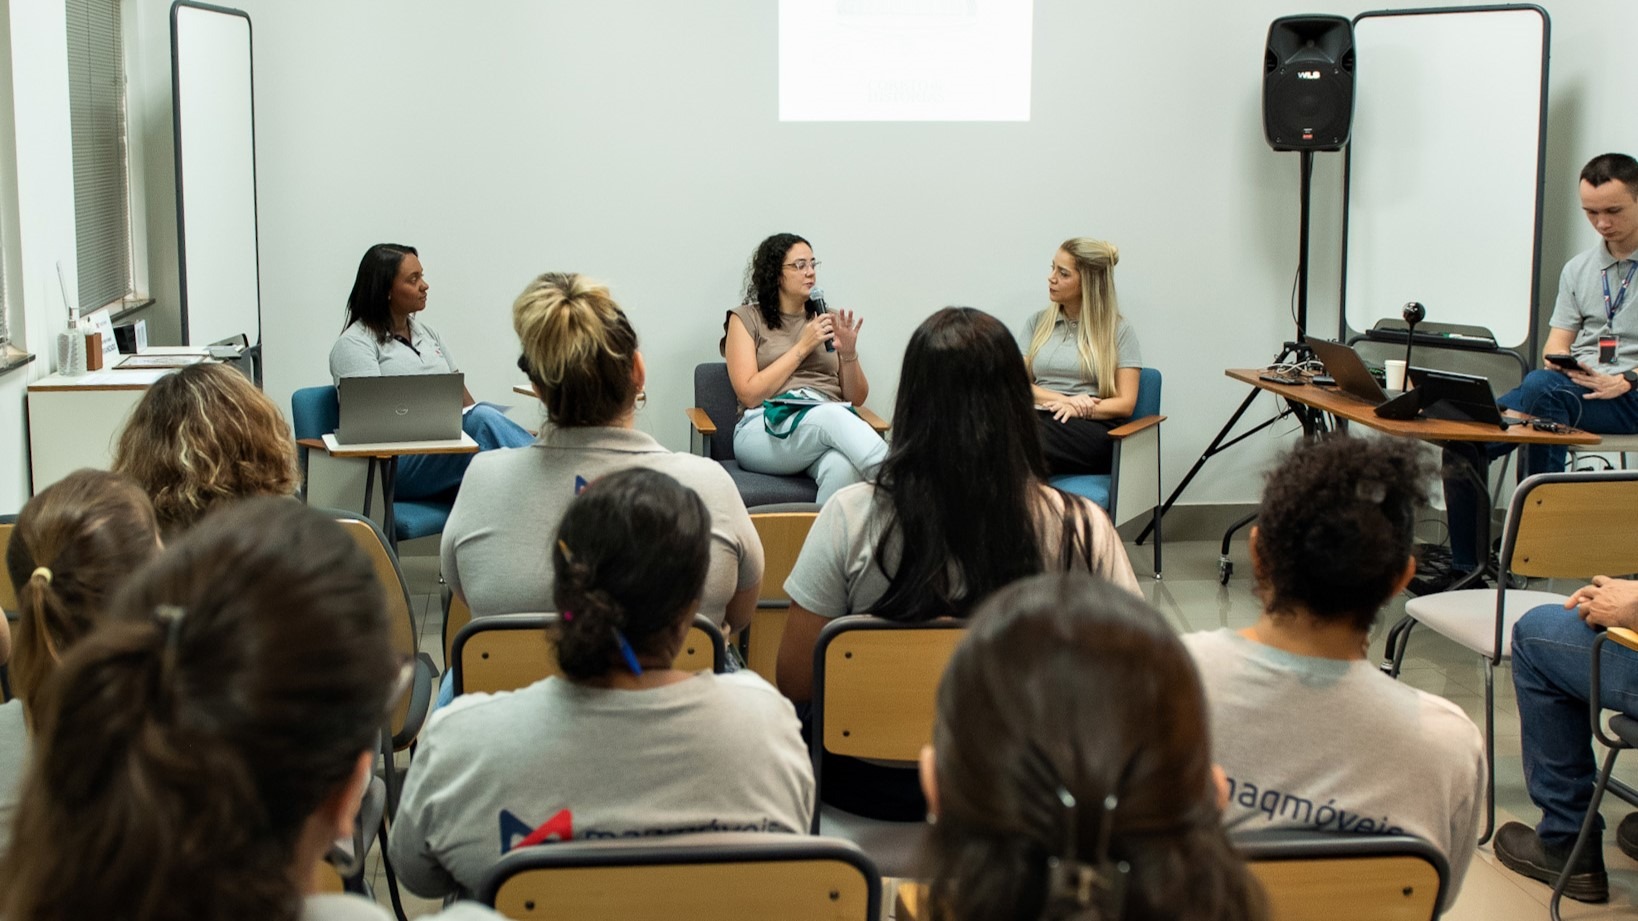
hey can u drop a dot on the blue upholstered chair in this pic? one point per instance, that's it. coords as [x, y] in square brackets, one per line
[314, 413]
[1132, 486]
[711, 432]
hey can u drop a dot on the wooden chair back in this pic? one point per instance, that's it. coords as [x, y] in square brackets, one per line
[8, 592]
[510, 651]
[1547, 521]
[1346, 877]
[782, 534]
[742, 876]
[457, 614]
[395, 590]
[875, 684]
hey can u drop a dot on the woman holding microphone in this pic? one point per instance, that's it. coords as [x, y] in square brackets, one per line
[781, 341]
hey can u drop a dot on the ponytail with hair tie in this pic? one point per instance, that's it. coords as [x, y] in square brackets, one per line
[41, 572]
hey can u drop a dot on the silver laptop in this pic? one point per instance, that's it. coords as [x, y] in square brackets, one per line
[1348, 370]
[403, 407]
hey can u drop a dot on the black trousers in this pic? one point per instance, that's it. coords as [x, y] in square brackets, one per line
[1077, 446]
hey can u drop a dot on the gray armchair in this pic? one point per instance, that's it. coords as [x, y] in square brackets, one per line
[711, 422]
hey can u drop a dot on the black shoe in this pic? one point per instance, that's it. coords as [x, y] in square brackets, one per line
[1626, 835]
[1519, 850]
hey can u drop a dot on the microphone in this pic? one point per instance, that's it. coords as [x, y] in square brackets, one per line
[816, 304]
[1413, 313]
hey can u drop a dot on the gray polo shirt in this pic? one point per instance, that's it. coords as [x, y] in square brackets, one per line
[358, 354]
[494, 549]
[1580, 308]
[14, 752]
[1057, 366]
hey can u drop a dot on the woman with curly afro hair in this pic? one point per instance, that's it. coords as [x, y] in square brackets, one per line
[1311, 734]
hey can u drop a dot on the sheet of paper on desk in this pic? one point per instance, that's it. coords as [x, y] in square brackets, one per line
[496, 406]
[140, 378]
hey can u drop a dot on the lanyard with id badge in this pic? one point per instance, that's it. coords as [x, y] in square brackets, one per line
[1607, 340]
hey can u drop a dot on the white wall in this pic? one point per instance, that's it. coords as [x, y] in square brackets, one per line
[41, 155]
[638, 142]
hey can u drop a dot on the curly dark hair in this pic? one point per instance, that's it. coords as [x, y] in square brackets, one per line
[762, 275]
[1336, 526]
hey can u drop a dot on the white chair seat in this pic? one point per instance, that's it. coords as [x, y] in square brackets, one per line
[1469, 617]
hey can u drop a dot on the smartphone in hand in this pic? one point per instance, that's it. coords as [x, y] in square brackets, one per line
[1565, 362]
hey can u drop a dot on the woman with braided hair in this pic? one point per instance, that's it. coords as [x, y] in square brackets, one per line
[622, 744]
[71, 547]
[1070, 775]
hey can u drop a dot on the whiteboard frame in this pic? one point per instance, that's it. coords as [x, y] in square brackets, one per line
[254, 335]
[1529, 341]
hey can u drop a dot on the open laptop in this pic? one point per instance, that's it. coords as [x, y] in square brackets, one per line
[1348, 370]
[403, 407]
[1458, 397]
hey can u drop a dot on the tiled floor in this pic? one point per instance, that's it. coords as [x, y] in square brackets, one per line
[1191, 598]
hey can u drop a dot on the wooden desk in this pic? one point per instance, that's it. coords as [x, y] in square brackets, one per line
[1333, 402]
[385, 455]
[1348, 408]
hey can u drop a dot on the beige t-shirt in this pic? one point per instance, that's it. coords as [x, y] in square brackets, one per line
[837, 573]
[820, 370]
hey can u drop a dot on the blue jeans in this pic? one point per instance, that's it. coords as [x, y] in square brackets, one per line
[1552, 657]
[422, 476]
[1549, 395]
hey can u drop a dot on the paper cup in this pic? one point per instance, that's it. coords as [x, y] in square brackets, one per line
[1396, 373]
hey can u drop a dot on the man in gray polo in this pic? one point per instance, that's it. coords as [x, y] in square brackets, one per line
[1595, 321]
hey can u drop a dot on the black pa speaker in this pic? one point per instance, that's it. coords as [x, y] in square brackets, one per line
[1308, 83]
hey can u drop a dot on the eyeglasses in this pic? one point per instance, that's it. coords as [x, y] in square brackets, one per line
[802, 265]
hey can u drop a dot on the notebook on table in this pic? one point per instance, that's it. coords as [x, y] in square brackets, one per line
[403, 407]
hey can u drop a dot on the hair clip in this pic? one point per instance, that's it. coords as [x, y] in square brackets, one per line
[1073, 883]
[41, 572]
[568, 616]
[627, 653]
[563, 548]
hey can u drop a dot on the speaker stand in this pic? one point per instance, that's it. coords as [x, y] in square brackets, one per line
[1296, 348]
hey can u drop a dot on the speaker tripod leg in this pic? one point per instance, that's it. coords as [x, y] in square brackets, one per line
[1221, 442]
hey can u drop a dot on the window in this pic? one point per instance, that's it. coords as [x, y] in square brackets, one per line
[102, 203]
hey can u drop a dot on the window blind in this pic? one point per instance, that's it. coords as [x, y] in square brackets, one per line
[102, 205]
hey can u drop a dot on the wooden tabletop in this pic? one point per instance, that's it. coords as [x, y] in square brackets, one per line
[461, 445]
[1330, 400]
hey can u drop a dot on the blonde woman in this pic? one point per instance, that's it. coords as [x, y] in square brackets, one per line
[204, 436]
[1083, 358]
[580, 352]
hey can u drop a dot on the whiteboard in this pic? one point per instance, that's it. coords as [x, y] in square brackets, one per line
[215, 124]
[1444, 171]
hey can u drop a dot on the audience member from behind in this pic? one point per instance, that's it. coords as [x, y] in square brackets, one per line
[960, 508]
[1083, 359]
[1070, 748]
[72, 545]
[580, 352]
[200, 751]
[621, 745]
[203, 436]
[778, 341]
[1300, 721]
